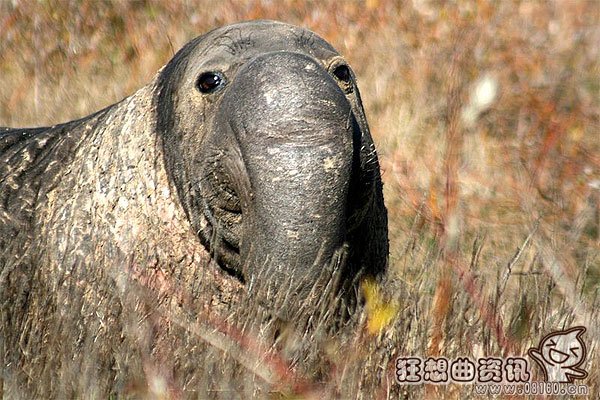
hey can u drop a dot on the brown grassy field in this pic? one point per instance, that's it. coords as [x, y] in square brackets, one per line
[486, 115]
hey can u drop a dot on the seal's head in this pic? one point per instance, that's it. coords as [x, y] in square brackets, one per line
[266, 141]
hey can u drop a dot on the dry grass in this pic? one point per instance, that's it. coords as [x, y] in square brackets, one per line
[486, 117]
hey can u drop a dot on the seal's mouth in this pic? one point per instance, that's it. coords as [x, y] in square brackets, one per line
[222, 212]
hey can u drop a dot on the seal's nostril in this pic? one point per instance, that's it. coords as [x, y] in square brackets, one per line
[208, 82]
[342, 72]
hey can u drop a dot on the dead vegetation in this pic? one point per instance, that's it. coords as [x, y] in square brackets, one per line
[486, 117]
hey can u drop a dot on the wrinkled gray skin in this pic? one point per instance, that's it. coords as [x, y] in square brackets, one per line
[272, 174]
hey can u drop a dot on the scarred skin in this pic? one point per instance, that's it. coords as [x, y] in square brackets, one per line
[241, 184]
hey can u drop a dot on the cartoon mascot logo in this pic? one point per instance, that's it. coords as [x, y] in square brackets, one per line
[560, 354]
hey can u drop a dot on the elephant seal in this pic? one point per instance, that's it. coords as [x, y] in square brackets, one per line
[242, 177]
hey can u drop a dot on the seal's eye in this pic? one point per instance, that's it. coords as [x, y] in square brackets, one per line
[208, 82]
[342, 72]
